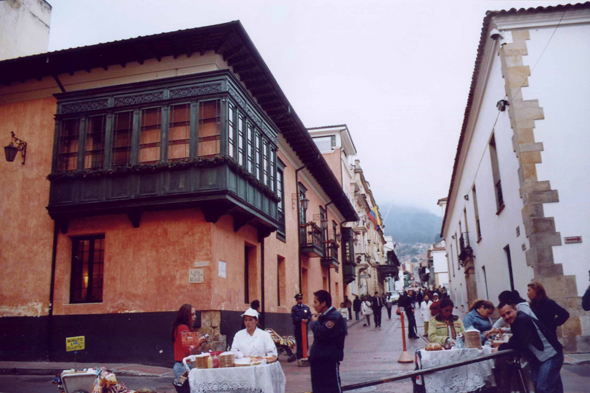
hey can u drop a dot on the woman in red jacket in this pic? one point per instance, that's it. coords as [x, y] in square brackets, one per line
[185, 319]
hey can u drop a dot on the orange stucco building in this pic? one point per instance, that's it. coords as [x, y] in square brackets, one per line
[160, 170]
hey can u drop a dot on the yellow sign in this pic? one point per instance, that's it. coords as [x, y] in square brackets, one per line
[75, 343]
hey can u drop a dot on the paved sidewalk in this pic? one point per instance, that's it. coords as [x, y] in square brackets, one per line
[370, 353]
[52, 368]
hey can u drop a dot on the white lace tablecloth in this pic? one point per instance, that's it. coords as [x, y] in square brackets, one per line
[459, 379]
[267, 378]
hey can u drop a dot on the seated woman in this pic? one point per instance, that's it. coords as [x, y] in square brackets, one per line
[479, 317]
[445, 326]
[253, 341]
[184, 321]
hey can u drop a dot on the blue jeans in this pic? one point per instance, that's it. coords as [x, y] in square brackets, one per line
[178, 369]
[546, 375]
[357, 315]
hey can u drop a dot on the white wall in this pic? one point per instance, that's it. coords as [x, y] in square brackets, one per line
[498, 230]
[439, 262]
[561, 83]
[24, 28]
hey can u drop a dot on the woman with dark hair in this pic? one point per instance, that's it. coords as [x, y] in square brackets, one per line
[512, 297]
[184, 321]
[445, 326]
[548, 312]
[479, 317]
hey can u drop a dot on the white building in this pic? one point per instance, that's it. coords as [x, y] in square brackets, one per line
[24, 27]
[517, 205]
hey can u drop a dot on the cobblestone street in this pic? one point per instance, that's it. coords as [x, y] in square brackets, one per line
[369, 353]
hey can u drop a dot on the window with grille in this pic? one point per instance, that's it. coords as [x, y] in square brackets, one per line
[231, 130]
[209, 129]
[150, 136]
[68, 145]
[257, 158]
[250, 148]
[241, 136]
[179, 132]
[95, 134]
[86, 283]
[265, 165]
[122, 136]
[273, 155]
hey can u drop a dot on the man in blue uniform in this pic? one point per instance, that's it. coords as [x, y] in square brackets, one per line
[329, 331]
[300, 313]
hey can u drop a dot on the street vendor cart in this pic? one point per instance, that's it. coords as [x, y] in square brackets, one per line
[247, 374]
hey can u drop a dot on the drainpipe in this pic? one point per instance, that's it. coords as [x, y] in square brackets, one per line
[298, 223]
[51, 293]
[262, 283]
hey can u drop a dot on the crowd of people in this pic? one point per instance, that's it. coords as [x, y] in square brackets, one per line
[533, 325]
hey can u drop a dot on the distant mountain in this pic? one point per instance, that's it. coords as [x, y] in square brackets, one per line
[409, 224]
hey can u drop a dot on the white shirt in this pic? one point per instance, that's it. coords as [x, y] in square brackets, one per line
[344, 312]
[425, 308]
[258, 344]
[366, 308]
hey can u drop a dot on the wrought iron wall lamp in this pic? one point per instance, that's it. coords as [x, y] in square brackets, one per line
[14, 147]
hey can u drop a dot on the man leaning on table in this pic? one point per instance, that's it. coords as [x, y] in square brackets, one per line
[538, 343]
[329, 331]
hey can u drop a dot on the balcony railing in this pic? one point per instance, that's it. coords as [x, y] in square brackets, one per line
[330, 258]
[311, 240]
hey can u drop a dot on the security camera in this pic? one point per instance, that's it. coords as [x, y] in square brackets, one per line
[495, 34]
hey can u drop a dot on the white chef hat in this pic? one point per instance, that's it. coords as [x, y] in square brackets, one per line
[251, 313]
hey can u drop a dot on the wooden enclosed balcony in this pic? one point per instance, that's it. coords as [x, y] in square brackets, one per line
[330, 258]
[172, 144]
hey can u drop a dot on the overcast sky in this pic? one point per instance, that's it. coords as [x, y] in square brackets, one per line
[396, 72]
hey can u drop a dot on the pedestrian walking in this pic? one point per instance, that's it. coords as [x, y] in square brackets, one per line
[406, 302]
[343, 311]
[329, 332]
[420, 297]
[348, 305]
[356, 304]
[538, 343]
[367, 309]
[388, 304]
[377, 309]
[300, 313]
[547, 310]
[426, 315]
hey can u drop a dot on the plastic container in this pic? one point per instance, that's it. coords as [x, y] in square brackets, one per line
[75, 380]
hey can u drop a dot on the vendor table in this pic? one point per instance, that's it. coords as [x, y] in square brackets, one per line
[266, 378]
[459, 379]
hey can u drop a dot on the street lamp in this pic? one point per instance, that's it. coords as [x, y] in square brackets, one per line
[14, 147]
[304, 203]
